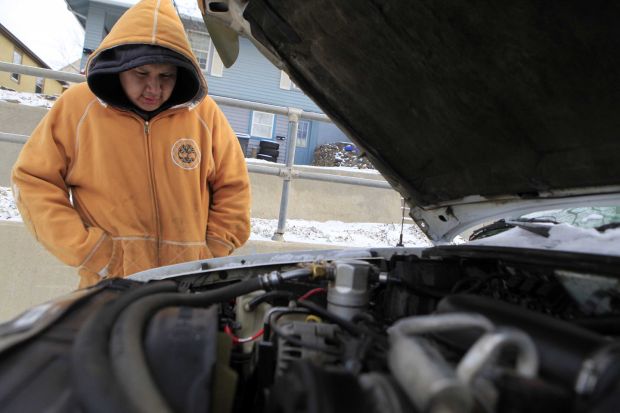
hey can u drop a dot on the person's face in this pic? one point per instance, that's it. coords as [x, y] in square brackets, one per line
[149, 86]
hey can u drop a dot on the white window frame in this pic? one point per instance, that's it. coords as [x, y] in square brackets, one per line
[302, 142]
[217, 66]
[17, 60]
[196, 50]
[258, 124]
[286, 82]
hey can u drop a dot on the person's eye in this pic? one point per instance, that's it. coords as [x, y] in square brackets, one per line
[141, 74]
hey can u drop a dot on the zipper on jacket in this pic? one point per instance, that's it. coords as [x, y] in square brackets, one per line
[147, 133]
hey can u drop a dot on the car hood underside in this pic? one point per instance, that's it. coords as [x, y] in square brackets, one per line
[452, 99]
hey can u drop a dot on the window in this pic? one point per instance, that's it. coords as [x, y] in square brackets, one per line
[201, 44]
[286, 82]
[17, 59]
[262, 124]
[303, 132]
[38, 85]
[217, 66]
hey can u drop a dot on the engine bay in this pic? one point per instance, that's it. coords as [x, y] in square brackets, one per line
[445, 333]
[446, 329]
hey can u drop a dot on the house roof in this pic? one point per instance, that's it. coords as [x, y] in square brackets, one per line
[79, 8]
[23, 47]
[27, 50]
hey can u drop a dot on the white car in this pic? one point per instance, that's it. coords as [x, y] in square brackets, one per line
[476, 112]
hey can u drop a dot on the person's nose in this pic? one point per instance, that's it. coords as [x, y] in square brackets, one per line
[153, 84]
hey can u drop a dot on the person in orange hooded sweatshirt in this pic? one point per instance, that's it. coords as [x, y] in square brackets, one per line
[138, 168]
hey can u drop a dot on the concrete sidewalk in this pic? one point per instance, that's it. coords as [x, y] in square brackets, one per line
[30, 275]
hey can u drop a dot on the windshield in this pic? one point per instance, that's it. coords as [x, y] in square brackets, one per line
[540, 222]
[582, 217]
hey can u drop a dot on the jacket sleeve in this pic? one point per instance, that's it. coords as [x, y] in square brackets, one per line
[228, 226]
[42, 196]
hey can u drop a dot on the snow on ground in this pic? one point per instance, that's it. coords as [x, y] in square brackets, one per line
[297, 230]
[341, 233]
[8, 210]
[30, 99]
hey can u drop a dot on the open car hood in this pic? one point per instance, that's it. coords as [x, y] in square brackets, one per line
[470, 110]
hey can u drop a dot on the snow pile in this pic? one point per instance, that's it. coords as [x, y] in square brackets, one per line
[30, 99]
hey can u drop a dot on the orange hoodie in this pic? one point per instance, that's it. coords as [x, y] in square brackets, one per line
[113, 194]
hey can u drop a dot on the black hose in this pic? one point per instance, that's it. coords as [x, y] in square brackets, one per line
[93, 378]
[296, 273]
[129, 361]
[608, 325]
[258, 300]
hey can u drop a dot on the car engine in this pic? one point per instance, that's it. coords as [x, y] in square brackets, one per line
[416, 335]
[446, 330]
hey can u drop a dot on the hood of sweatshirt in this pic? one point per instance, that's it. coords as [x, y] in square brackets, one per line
[148, 33]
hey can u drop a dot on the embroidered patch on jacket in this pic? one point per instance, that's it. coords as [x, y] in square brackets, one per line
[185, 153]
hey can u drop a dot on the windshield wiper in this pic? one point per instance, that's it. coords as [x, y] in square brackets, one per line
[534, 225]
[490, 230]
[605, 227]
[529, 224]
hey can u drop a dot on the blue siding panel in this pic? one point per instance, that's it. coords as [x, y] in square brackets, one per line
[328, 133]
[94, 31]
[255, 79]
[237, 117]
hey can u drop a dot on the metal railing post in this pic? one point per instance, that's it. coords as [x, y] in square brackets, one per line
[293, 118]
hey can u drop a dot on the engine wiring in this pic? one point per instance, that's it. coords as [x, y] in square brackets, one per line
[296, 341]
[312, 292]
[255, 302]
[237, 340]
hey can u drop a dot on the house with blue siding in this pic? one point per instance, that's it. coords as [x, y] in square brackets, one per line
[252, 78]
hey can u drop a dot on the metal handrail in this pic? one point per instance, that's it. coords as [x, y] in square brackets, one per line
[287, 173]
[13, 137]
[263, 107]
[275, 170]
[41, 72]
